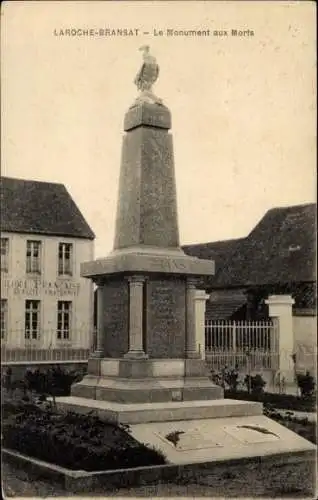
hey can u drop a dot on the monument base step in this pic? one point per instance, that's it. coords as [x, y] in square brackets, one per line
[150, 390]
[160, 412]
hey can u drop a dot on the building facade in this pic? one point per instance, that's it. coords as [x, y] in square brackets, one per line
[277, 258]
[45, 304]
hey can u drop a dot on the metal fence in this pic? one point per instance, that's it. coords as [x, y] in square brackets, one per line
[249, 345]
[34, 355]
[47, 348]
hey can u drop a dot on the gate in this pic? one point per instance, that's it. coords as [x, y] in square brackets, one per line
[246, 345]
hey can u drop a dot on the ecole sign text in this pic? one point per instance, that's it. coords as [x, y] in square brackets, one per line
[35, 287]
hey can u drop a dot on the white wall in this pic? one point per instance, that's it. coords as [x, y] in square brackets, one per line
[18, 286]
[305, 342]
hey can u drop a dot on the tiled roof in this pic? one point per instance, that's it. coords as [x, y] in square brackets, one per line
[219, 251]
[280, 249]
[224, 305]
[36, 207]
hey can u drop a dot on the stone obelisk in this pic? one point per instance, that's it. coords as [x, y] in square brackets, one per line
[146, 370]
[146, 345]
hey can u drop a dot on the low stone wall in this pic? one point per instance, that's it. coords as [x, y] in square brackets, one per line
[278, 467]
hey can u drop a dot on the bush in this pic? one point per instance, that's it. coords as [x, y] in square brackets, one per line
[77, 442]
[216, 378]
[55, 382]
[306, 384]
[255, 383]
[17, 407]
[227, 377]
[282, 401]
[231, 378]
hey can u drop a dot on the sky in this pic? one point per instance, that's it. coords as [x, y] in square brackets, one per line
[243, 107]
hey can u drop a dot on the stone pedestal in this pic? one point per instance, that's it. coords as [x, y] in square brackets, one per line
[147, 347]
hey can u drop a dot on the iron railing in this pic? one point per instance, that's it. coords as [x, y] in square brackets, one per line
[47, 347]
[244, 344]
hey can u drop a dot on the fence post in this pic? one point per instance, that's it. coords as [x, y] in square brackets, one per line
[280, 307]
[200, 299]
[234, 337]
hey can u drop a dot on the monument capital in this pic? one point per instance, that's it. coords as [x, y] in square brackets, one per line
[136, 279]
[147, 113]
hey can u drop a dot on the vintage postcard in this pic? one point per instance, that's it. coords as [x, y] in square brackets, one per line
[158, 249]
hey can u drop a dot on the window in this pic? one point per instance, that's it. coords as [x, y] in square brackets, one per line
[33, 257]
[64, 310]
[32, 319]
[65, 258]
[4, 318]
[4, 254]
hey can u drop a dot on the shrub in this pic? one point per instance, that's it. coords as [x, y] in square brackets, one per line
[255, 383]
[231, 378]
[227, 377]
[282, 401]
[306, 384]
[216, 378]
[75, 441]
[7, 378]
[55, 382]
[17, 407]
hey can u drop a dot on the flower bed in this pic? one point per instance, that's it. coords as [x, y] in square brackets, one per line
[73, 441]
[282, 401]
[301, 426]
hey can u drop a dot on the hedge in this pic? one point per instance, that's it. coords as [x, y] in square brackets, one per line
[282, 401]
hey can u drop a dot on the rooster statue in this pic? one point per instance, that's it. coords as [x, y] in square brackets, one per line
[147, 76]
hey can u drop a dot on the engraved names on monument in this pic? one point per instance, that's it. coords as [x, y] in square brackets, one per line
[165, 302]
[165, 318]
[116, 318]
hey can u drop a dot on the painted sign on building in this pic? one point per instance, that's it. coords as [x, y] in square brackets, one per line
[37, 286]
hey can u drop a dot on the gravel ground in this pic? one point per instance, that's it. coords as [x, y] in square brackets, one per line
[295, 481]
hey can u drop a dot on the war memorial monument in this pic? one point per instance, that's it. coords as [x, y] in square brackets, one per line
[146, 370]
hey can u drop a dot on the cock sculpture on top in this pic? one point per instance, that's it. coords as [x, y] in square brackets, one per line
[146, 77]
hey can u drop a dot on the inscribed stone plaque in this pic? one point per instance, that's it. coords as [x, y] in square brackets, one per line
[251, 434]
[191, 439]
[115, 315]
[165, 318]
